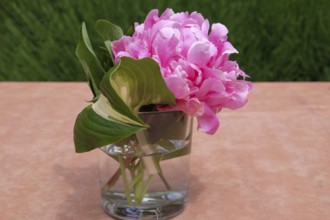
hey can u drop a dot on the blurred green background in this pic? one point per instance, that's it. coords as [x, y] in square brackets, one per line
[279, 40]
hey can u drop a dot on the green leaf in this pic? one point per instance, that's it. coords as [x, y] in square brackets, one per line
[91, 65]
[130, 85]
[92, 131]
[109, 32]
[124, 89]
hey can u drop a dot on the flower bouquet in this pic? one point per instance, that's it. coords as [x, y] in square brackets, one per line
[147, 86]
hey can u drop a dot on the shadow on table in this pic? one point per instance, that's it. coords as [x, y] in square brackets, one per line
[195, 188]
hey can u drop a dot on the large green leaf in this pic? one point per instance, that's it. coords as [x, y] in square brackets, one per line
[109, 32]
[91, 65]
[92, 131]
[135, 83]
[124, 89]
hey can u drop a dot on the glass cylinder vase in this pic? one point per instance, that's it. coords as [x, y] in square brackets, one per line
[145, 176]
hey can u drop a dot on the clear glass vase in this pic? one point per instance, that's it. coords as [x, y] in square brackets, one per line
[145, 176]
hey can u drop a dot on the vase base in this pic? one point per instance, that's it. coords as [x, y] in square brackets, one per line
[164, 212]
[159, 210]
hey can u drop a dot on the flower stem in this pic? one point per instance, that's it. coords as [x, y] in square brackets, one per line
[147, 185]
[164, 181]
[126, 185]
[149, 162]
[117, 174]
[138, 185]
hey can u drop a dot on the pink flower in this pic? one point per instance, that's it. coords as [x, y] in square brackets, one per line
[195, 63]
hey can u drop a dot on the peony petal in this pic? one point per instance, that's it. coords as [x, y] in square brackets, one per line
[181, 17]
[178, 87]
[215, 73]
[223, 55]
[192, 106]
[208, 122]
[198, 18]
[138, 28]
[205, 27]
[228, 48]
[218, 33]
[165, 44]
[199, 53]
[188, 39]
[167, 14]
[239, 92]
[209, 86]
[169, 32]
[120, 47]
[151, 19]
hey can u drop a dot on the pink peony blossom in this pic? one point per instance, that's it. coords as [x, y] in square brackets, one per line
[195, 63]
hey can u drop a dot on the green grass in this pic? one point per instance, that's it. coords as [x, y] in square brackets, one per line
[283, 40]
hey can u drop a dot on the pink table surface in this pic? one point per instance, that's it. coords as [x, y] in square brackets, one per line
[269, 160]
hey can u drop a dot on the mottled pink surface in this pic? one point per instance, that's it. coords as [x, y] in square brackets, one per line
[269, 160]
